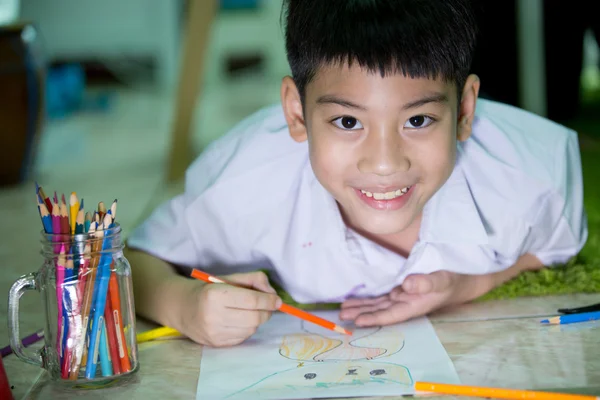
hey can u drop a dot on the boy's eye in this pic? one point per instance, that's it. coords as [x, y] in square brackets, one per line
[347, 123]
[418, 122]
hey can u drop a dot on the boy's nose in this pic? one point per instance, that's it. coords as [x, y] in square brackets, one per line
[383, 154]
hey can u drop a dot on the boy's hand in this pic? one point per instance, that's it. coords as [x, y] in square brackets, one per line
[421, 294]
[222, 315]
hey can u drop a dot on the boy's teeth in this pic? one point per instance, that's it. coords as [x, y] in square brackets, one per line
[386, 195]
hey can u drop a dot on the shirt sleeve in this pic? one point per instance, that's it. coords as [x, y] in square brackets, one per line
[560, 227]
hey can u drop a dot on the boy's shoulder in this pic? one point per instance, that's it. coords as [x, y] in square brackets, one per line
[515, 159]
[257, 158]
[521, 141]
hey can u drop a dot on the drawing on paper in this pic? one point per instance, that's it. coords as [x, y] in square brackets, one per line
[320, 359]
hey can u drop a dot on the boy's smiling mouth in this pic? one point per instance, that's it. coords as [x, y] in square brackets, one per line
[388, 199]
[389, 195]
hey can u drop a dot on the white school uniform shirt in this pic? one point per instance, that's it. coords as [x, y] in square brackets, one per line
[252, 201]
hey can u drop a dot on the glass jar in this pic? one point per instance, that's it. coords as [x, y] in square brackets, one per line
[86, 290]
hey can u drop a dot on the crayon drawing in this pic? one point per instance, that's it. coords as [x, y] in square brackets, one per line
[293, 359]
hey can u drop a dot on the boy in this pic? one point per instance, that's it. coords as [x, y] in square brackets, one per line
[375, 183]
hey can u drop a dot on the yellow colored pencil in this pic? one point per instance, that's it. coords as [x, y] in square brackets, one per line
[496, 393]
[74, 209]
[157, 333]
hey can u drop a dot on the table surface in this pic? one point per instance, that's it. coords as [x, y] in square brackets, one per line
[496, 343]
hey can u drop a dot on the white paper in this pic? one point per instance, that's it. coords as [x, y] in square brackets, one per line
[291, 359]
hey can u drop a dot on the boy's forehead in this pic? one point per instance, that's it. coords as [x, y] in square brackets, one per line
[356, 81]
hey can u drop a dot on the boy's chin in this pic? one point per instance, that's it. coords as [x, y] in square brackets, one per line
[381, 226]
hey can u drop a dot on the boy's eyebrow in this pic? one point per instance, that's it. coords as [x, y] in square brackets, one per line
[330, 99]
[432, 98]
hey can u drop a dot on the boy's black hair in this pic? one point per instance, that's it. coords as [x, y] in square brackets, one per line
[418, 38]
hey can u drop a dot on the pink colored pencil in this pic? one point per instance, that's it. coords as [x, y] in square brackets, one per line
[60, 279]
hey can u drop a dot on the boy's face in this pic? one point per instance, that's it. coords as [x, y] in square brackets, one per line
[381, 146]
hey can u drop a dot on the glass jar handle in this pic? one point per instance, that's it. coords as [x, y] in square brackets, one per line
[26, 282]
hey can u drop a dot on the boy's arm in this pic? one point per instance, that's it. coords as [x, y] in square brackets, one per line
[158, 289]
[421, 294]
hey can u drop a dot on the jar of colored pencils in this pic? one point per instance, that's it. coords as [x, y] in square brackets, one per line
[85, 285]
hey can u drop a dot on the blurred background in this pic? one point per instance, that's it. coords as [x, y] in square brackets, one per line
[113, 98]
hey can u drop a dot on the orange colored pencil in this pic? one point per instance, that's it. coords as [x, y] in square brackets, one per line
[285, 308]
[115, 304]
[496, 393]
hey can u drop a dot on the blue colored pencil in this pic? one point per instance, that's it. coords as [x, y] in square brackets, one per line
[101, 289]
[572, 318]
[45, 215]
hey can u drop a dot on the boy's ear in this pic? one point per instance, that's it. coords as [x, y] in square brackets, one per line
[292, 108]
[467, 107]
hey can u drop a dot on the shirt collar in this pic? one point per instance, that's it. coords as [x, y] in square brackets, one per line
[451, 215]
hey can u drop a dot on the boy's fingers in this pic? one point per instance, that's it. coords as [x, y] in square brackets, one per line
[397, 312]
[256, 280]
[351, 313]
[426, 283]
[249, 299]
[351, 303]
[237, 318]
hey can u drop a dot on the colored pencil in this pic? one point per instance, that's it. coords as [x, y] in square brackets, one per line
[60, 280]
[285, 308]
[80, 333]
[89, 283]
[88, 221]
[114, 306]
[105, 362]
[496, 393]
[102, 280]
[56, 219]
[71, 317]
[101, 210]
[157, 333]
[73, 211]
[45, 198]
[572, 318]
[111, 335]
[27, 341]
[64, 216]
[44, 215]
[113, 209]
[578, 310]
[79, 221]
[115, 301]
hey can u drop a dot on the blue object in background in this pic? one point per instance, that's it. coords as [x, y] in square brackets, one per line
[239, 4]
[65, 86]
[65, 92]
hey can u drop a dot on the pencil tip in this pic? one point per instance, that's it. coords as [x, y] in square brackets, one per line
[545, 321]
[81, 204]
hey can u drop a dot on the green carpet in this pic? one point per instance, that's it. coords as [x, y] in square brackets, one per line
[579, 275]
